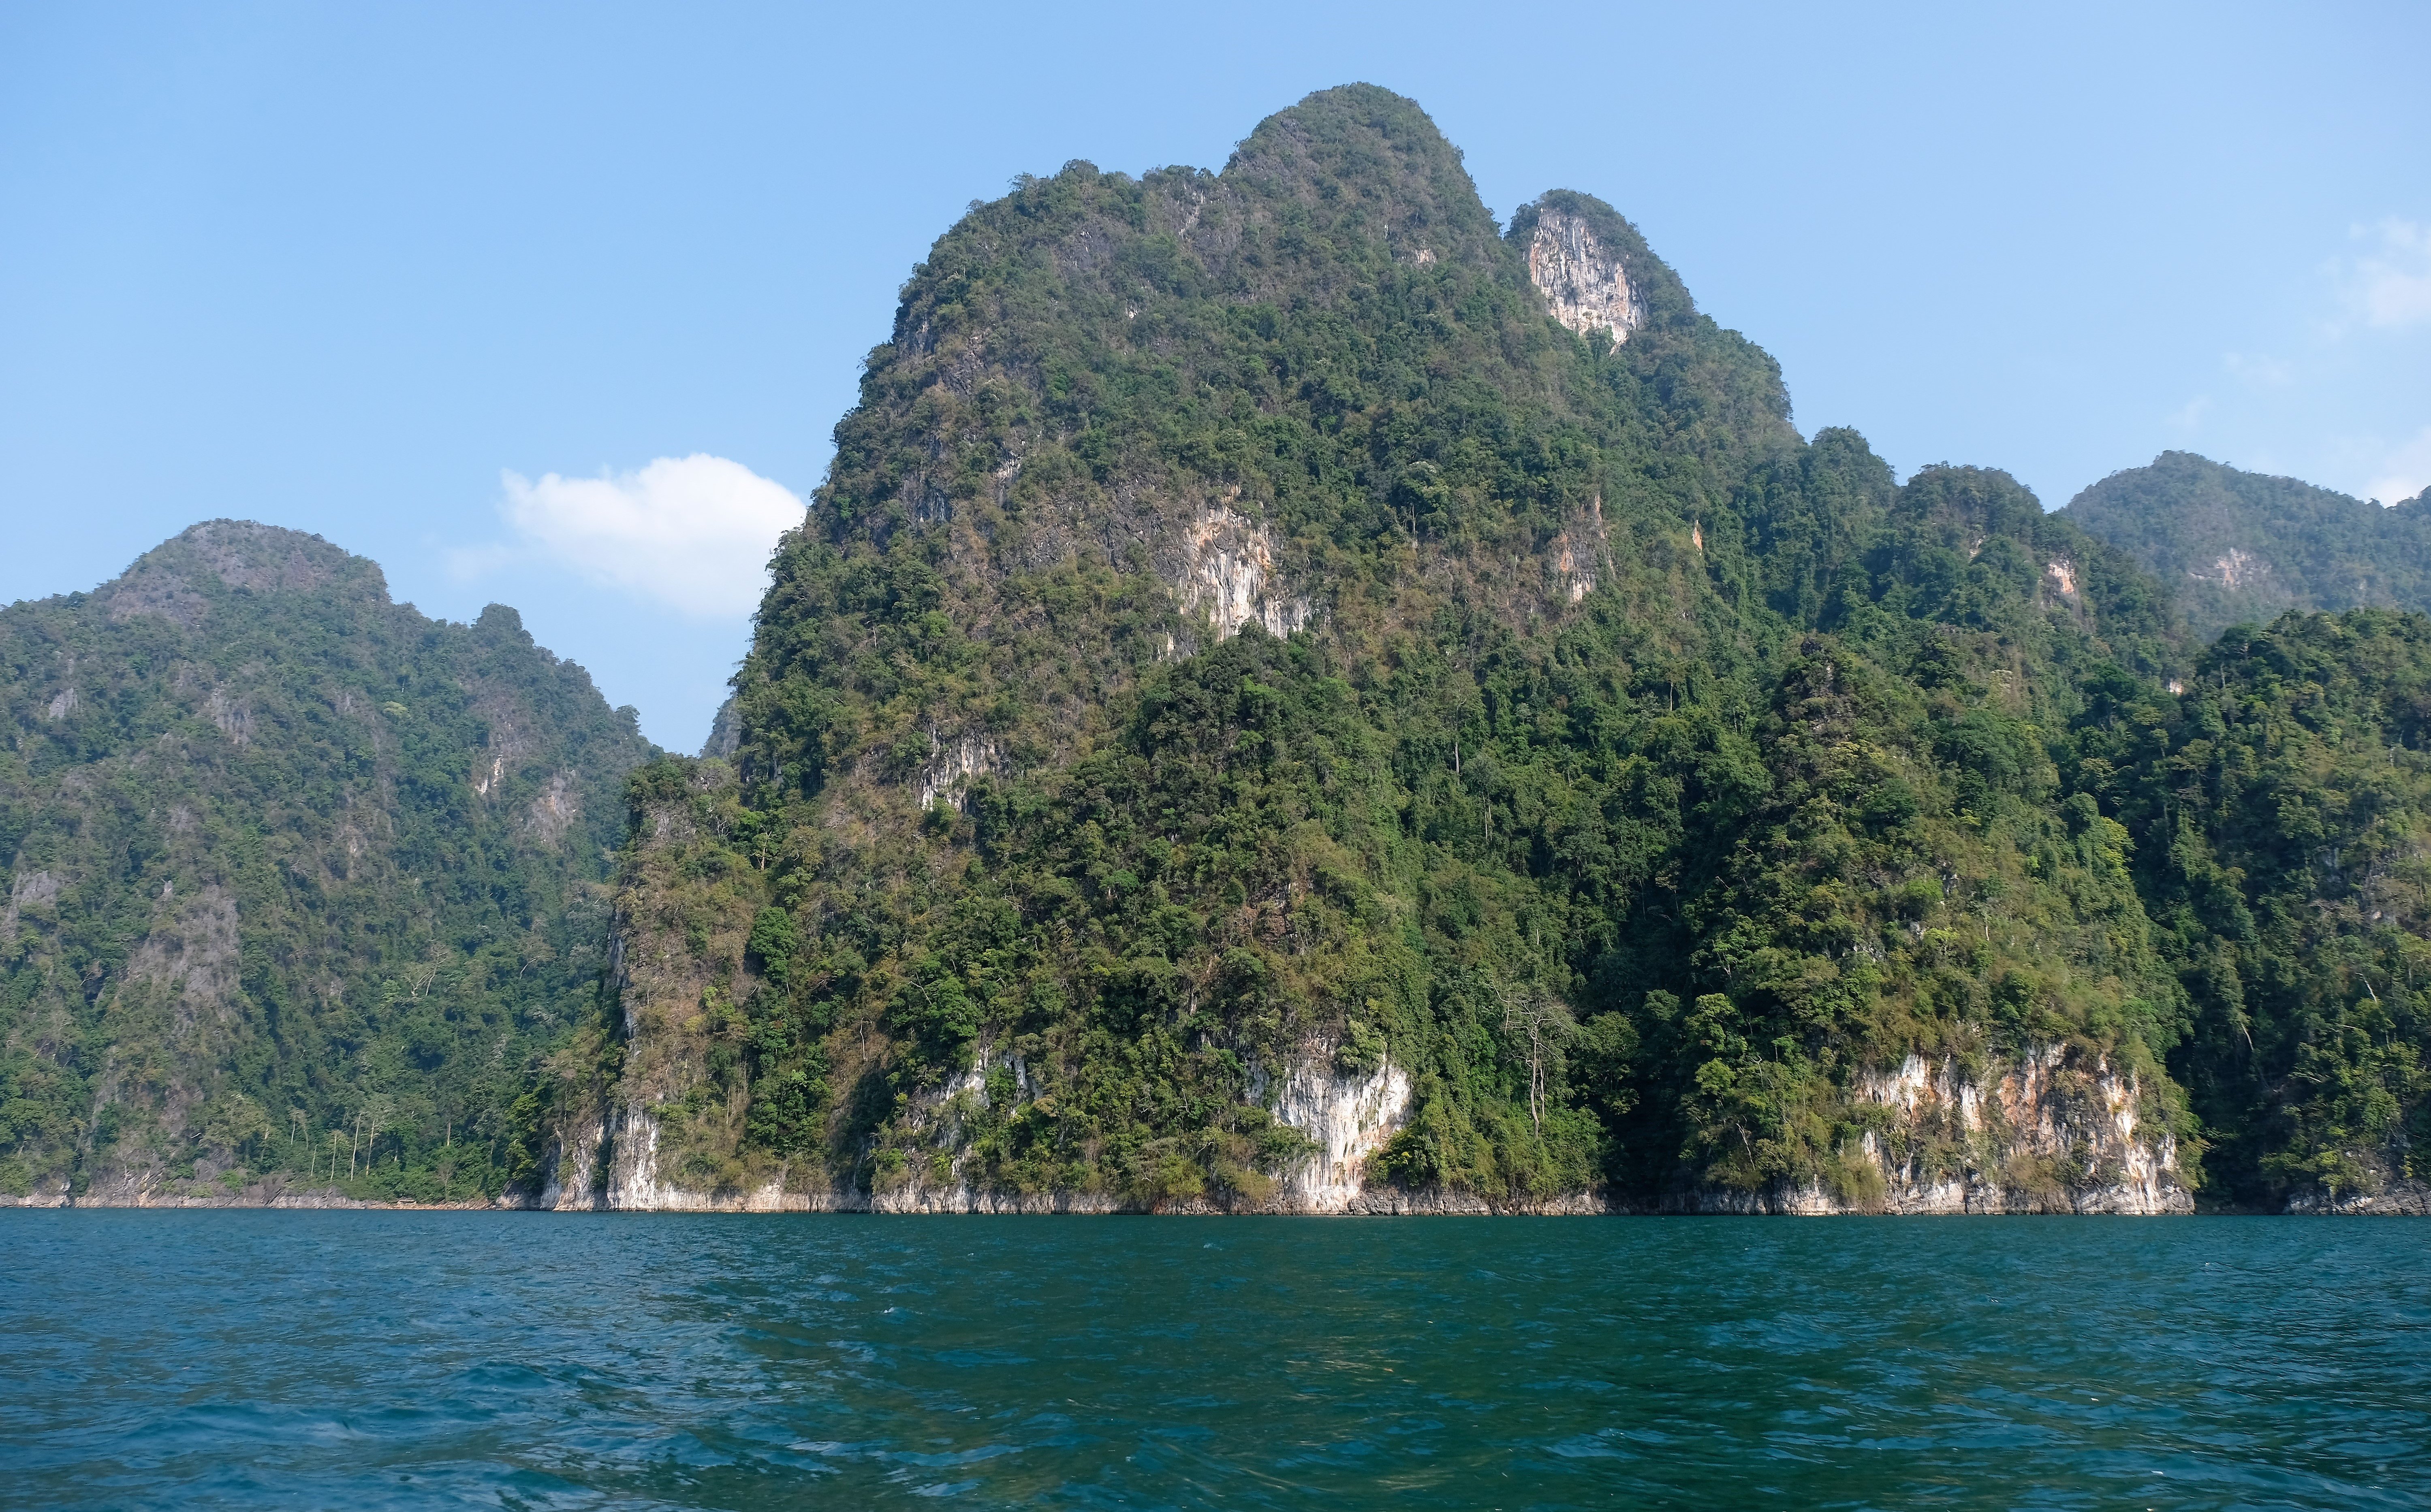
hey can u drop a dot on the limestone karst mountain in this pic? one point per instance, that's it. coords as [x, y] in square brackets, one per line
[298, 880]
[1294, 696]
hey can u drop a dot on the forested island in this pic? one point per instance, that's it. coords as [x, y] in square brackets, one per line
[1292, 696]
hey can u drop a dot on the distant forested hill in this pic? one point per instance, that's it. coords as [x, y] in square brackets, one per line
[297, 883]
[2243, 548]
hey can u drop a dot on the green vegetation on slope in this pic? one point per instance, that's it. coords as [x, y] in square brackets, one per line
[2242, 548]
[2284, 807]
[299, 882]
[1641, 775]
[1246, 634]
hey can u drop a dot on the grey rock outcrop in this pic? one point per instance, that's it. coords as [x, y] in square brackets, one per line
[1584, 281]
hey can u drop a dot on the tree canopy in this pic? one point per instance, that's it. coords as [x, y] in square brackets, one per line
[300, 883]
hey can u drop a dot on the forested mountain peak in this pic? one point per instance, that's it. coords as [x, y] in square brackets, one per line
[1288, 696]
[2244, 547]
[1362, 163]
[283, 858]
[1318, 376]
[241, 556]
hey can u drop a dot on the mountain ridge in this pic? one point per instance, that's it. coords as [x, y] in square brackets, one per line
[2243, 547]
[295, 874]
[1291, 697]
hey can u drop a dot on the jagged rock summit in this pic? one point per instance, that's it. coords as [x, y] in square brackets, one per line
[1585, 284]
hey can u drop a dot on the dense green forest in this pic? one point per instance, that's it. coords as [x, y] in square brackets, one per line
[1243, 619]
[1261, 619]
[2243, 548]
[300, 883]
[2282, 807]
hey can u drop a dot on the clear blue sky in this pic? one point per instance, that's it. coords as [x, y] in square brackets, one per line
[345, 267]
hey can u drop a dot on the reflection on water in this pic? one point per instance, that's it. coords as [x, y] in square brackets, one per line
[420, 1359]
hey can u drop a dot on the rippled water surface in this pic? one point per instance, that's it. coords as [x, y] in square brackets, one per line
[421, 1359]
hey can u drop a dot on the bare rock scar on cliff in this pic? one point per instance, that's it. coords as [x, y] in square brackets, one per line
[1582, 281]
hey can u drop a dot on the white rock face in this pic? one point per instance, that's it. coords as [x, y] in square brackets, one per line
[1955, 1146]
[1580, 556]
[2395, 1198]
[632, 1182]
[950, 770]
[233, 715]
[34, 890]
[2063, 575]
[2039, 1111]
[1578, 581]
[2238, 567]
[572, 1170]
[1349, 1118]
[1231, 576]
[192, 951]
[941, 1116]
[1581, 280]
[556, 809]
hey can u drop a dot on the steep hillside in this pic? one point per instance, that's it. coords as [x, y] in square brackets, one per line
[2242, 548]
[2282, 804]
[1291, 697]
[299, 882]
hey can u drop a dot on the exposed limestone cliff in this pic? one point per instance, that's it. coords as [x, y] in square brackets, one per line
[2046, 1133]
[658, 1124]
[1582, 279]
[613, 1161]
[2042, 1134]
[1348, 1118]
[1231, 579]
[2236, 567]
[647, 1112]
[953, 765]
[2391, 1198]
[672, 966]
[613, 1153]
[1582, 556]
[724, 734]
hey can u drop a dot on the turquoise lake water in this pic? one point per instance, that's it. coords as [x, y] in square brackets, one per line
[252, 1360]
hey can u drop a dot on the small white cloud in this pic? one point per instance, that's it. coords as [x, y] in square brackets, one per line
[2407, 470]
[2267, 370]
[692, 532]
[2188, 416]
[466, 563]
[2391, 287]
